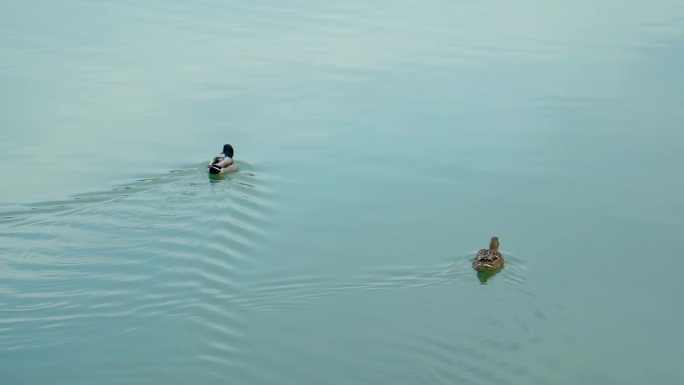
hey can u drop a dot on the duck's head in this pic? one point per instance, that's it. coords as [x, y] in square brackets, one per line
[494, 243]
[228, 150]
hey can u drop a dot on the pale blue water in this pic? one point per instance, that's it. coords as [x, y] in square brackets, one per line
[380, 146]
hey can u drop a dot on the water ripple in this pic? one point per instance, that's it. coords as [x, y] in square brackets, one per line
[485, 352]
[128, 261]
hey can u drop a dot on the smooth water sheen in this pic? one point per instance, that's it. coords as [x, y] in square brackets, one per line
[380, 145]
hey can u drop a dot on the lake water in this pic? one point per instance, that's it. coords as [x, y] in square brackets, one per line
[380, 145]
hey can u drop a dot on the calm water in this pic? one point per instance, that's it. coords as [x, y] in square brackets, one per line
[380, 145]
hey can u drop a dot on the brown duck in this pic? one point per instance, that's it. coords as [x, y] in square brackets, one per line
[489, 259]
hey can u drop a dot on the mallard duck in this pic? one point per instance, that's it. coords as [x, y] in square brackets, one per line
[489, 259]
[223, 163]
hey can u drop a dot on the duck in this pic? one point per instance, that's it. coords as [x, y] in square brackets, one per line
[223, 163]
[489, 259]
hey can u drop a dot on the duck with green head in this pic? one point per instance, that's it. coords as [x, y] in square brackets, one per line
[223, 163]
[489, 259]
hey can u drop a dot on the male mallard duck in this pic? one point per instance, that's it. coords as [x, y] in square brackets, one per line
[223, 163]
[489, 259]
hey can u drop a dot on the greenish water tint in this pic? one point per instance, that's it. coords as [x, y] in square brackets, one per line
[380, 146]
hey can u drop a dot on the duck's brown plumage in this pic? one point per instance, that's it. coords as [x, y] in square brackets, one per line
[489, 259]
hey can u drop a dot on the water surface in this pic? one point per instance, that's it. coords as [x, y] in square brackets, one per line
[380, 146]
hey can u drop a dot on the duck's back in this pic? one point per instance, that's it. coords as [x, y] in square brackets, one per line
[488, 259]
[488, 254]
